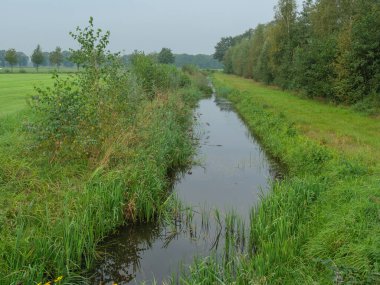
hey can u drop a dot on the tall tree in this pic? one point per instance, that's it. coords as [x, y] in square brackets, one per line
[165, 56]
[37, 57]
[56, 57]
[222, 47]
[11, 57]
[76, 57]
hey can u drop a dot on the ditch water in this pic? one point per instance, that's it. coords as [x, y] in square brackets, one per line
[232, 174]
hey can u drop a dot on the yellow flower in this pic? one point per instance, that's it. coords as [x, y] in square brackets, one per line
[40, 283]
[48, 283]
[58, 279]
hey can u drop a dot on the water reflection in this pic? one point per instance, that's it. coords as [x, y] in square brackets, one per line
[232, 173]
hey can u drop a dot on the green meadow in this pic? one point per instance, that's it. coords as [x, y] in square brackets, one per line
[15, 89]
[41, 69]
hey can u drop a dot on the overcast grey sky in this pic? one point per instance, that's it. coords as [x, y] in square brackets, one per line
[185, 26]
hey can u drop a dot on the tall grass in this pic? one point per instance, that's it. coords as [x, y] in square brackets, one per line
[53, 214]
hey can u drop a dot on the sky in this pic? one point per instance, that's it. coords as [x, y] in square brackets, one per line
[185, 26]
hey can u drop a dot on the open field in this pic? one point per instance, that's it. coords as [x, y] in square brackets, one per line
[15, 88]
[42, 69]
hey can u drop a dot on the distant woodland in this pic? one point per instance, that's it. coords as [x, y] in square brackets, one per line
[328, 49]
[67, 59]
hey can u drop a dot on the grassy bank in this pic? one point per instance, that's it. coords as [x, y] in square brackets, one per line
[321, 224]
[53, 214]
[94, 150]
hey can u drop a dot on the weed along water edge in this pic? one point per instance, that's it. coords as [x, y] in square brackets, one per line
[230, 175]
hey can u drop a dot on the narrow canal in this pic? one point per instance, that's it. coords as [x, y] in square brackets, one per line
[232, 173]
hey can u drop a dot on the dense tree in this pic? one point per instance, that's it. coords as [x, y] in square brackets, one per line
[221, 48]
[329, 49]
[165, 56]
[11, 57]
[75, 57]
[37, 57]
[56, 57]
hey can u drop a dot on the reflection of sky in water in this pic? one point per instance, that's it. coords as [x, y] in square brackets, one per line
[233, 172]
[233, 169]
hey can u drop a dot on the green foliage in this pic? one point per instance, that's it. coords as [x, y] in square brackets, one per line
[11, 57]
[77, 111]
[198, 79]
[221, 48]
[165, 56]
[328, 50]
[155, 77]
[56, 57]
[37, 57]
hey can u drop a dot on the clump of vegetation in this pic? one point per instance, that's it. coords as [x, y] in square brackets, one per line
[198, 78]
[93, 152]
[74, 118]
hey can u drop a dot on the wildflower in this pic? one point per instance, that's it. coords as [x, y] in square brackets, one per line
[48, 283]
[58, 279]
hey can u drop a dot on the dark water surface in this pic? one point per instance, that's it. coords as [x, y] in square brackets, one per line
[232, 173]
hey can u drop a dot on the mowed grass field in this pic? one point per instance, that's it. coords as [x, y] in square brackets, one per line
[15, 89]
[42, 69]
[354, 134]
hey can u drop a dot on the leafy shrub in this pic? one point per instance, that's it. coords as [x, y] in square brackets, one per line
[77, 113]
[155, 77]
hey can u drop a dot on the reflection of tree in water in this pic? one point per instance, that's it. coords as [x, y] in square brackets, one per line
[223, 104]
[122, 255]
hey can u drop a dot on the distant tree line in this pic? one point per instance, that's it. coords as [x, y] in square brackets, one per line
[329, 49]
[57, 58]
[14, 57]
[203, 61]
[66, 58]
